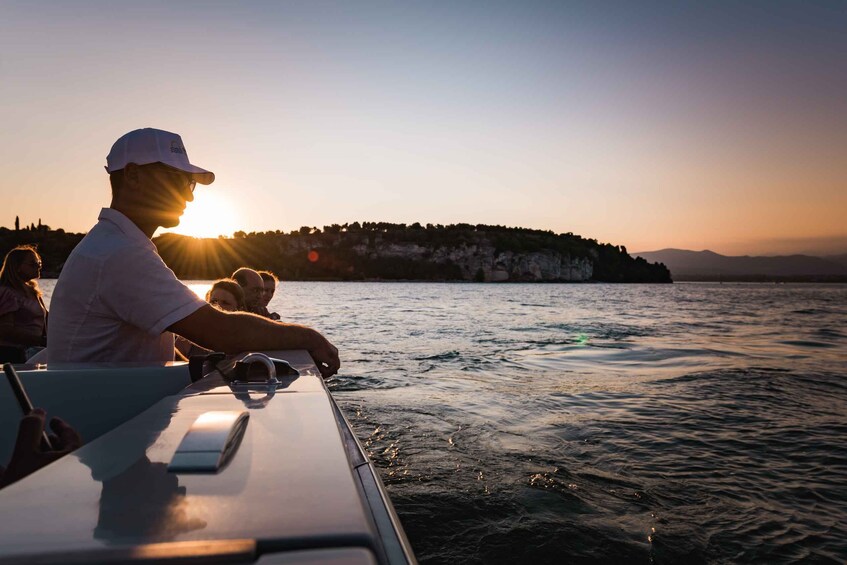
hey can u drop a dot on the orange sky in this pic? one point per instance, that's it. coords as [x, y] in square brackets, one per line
[697, 127]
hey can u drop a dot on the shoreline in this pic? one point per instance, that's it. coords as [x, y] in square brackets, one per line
[446, 281]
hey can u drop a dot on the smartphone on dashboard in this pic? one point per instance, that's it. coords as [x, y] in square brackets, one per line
[23, 400]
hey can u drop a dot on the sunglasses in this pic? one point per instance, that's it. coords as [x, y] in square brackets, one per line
[181, 178]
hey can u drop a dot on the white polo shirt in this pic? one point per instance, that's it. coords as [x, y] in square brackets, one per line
[115, 298]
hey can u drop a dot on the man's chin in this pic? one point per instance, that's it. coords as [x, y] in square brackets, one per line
[169, 222]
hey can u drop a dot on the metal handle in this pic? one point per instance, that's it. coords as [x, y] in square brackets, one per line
[262, 358]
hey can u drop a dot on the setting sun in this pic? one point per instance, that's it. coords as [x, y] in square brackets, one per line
[209, 215]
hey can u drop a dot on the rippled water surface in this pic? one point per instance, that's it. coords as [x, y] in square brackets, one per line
[598, 423]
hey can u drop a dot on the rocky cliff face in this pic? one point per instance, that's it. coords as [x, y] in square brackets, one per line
[484, 263]
[382, 251]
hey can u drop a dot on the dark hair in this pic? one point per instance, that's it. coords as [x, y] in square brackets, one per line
[116, 180]
[231, 287]
[268, 276]
[9, 271]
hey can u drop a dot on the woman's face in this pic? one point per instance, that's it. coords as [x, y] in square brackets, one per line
[30, 268]
[223, 299]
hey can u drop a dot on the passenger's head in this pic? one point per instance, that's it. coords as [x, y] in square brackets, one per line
[21, 269]
[227, 295]
[269, 281]
[151, 177]
[252, 285]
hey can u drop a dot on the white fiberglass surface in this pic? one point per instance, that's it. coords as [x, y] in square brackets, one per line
[92, 399]
[288, 479]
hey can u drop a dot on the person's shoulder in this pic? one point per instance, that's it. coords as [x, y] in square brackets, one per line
[108, 236]
[134, 265]
[10, 299]
[9, 293]
[102, 243]
[117, 241]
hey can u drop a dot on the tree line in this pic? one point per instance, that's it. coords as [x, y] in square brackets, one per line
[352, 251]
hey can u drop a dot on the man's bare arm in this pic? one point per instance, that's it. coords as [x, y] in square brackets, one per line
[234, 332]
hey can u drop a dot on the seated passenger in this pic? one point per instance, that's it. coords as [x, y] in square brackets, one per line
[269, 281]
[253, 287]
[23, 316]
[117, 301]
[227, 295]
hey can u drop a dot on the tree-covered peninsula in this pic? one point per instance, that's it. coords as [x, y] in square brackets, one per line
[381, 251]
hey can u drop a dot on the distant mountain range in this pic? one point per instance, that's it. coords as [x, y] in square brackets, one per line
[708, 265]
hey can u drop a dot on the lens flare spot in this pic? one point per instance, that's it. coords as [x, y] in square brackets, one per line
[313, 256]
[582, 339]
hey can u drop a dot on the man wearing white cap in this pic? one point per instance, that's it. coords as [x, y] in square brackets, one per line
[116, 300]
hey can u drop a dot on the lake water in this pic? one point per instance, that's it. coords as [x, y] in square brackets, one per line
[597, 423]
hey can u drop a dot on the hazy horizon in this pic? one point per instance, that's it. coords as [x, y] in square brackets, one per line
[816, 247]
[829, 246]
[719, 126]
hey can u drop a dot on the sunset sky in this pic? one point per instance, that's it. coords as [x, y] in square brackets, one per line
[710, 125]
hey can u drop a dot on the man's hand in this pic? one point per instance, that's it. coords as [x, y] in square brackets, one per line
[325, 355]
[28, 455]
[234, 332]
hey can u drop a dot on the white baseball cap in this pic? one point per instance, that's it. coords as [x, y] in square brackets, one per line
[148, 145]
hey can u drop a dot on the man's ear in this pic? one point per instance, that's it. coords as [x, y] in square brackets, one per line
[131, 174]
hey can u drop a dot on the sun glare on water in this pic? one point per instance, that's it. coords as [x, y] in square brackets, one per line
[209, 215]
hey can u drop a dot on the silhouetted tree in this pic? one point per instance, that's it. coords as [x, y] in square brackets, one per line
[353, 251]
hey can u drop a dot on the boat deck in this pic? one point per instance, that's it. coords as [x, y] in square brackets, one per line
[291, 491]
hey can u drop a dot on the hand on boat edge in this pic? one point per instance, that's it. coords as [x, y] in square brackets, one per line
[325, 356]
